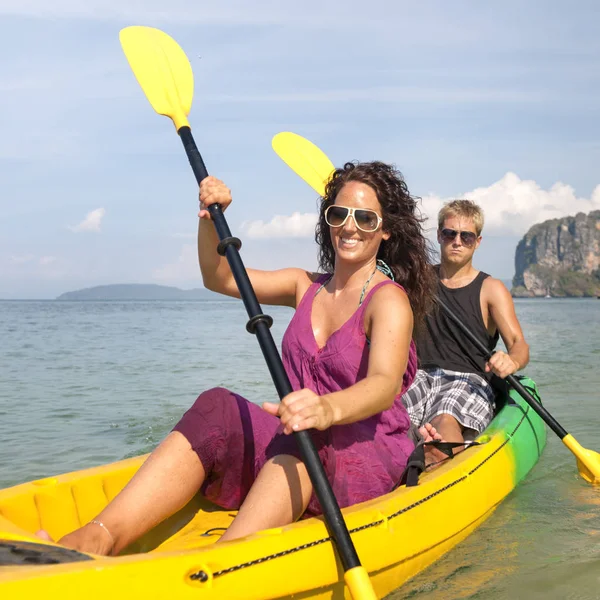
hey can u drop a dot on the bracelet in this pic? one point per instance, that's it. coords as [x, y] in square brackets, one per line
[101, 524]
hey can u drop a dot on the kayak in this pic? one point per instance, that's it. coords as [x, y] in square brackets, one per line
[396, 535]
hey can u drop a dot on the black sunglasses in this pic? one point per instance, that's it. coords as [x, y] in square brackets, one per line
[468, 238]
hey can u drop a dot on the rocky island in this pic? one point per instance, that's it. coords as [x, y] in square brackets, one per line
[133, 291]
[559, 258]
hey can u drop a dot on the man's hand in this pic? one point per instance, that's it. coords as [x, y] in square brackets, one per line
[501, 364]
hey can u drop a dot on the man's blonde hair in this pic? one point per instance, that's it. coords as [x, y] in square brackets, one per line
[462, 208]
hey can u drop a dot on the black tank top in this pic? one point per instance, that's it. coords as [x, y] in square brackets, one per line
[440, 343]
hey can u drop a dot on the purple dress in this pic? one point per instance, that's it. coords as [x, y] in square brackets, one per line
[234, 437]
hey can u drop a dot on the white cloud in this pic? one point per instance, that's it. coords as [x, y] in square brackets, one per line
[92, 221]
[281, 226]
[22, 259]
[30, 266]
[185, 268]
[512, 205]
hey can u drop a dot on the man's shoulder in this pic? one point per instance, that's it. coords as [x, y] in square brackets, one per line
[492, 282]
[494, 289]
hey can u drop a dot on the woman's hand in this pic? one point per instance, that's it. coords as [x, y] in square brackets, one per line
[302, 410]
[213, 191]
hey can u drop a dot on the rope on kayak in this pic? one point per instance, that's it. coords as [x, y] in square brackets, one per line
[202, 576]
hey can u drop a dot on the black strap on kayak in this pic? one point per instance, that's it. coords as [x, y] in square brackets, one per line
[17, 553]
[447, 448]
[414, 467]
[416, 461]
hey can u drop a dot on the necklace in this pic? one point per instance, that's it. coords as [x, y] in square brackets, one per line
[362, 294]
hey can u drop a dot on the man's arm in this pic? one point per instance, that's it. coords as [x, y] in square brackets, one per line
[501, 310]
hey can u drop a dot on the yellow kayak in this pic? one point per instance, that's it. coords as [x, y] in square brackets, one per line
[396, 535]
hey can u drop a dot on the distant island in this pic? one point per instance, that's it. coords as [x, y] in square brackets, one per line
[139, 291]
[559, 258]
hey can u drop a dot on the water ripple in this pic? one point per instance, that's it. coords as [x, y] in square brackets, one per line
[86, 383]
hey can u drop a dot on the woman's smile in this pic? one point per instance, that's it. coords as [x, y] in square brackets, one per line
[346, 242]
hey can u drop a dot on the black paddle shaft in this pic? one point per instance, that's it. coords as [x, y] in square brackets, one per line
[513, 381]
[259, 324]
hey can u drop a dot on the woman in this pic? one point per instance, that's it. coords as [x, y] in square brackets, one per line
[348, 352]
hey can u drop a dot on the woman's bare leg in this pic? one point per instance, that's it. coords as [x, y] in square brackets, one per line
[278, 497]
[165, 483]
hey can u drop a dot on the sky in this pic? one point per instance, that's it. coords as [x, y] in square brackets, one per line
[493, 101]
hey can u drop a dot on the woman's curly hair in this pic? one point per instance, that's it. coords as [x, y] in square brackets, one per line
[407, 252]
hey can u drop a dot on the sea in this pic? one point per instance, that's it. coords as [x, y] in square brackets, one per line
[84, 383]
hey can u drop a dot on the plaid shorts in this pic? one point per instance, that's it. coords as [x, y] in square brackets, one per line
[468, 397]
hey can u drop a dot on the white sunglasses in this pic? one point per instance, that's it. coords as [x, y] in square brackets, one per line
[364, 218]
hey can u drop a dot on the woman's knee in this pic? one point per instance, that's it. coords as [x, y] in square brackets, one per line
[214, 398]
[212, 414]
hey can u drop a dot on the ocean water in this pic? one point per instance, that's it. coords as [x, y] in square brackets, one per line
[86, 383]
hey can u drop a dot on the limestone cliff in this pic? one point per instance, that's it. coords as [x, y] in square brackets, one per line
[559, 257]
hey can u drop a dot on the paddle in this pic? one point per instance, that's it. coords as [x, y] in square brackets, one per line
[165, 75]
[588, 462]
[309, 161]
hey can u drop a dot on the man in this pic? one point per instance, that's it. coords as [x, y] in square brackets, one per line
[452, 389]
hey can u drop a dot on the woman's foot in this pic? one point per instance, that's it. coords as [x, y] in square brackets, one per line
[43, 535]
[433, 456]
[91, 539]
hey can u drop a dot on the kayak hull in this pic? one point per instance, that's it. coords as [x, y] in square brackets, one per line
[396, 536]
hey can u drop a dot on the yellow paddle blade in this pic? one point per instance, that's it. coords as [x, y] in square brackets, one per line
[588, 461]
[162, 70]
[304, 158]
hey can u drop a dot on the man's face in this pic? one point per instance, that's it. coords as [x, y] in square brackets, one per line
[458, 240]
